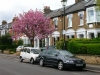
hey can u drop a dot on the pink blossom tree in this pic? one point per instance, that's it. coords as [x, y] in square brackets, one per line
[32, 24]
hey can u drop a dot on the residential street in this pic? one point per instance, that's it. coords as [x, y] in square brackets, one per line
[11, 66]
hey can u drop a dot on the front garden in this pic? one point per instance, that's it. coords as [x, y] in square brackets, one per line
[81, 46]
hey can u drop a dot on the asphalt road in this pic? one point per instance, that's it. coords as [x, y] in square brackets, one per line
[12, 66]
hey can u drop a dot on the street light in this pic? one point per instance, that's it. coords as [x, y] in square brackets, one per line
[64, 4]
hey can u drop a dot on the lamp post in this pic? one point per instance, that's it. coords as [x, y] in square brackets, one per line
[64, 4]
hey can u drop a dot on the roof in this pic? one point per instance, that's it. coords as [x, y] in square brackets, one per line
[6, 26]
[91, 2]
[77, 7]
[72, 8]
[57, 12]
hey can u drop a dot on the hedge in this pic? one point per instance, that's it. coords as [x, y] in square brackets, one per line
[80, 48]
[8, 47]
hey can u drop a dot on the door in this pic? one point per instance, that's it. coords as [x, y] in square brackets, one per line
[54, 57]
[47, 57]
[27, 54]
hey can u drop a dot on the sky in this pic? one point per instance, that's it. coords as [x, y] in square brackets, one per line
[10, 8]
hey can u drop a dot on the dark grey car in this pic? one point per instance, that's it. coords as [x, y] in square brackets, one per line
[60, 58]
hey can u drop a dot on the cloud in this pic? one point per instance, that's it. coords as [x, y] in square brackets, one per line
[10, 8]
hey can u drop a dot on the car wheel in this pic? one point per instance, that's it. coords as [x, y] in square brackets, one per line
[21, 59]
[32, 61]
[60, 65]
[41, 62]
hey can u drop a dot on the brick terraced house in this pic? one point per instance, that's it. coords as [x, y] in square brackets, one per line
[81, 21]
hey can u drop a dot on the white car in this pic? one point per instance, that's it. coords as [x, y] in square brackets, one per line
[30, 54]
[19, 48]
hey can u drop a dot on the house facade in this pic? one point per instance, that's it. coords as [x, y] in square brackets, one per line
[4, 28]
[81, 20]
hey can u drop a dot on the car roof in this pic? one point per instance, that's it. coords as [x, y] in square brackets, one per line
[55, 49]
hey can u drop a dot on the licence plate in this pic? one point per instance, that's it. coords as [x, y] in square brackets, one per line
[79, 64]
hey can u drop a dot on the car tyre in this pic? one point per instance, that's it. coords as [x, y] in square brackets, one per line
[32, 61]
[60, 65]
[21, 59]
[41, 62]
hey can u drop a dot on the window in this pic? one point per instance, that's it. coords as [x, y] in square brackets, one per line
[55, 20]
[35, 51]
[90, 15]
[68, 37]
[54, 41]
[98, 35]
[48, 52]
[91, 35]
[25, 50]
[53, 52]
[69, 20]
[72, 36]
[98, 16]
[81, 16]
[42, 43]
[81, 36]
[28, 50]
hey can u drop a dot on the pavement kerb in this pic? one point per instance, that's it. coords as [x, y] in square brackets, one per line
[96, 71]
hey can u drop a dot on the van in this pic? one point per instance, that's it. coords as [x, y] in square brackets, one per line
[30, 54]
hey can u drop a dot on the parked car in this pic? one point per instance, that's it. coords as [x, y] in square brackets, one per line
[19, 48]
[48, 47]
[61, 59]
[30, 54]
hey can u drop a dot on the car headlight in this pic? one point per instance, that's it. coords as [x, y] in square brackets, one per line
[69, 61]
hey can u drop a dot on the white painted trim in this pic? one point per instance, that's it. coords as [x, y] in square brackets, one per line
[70, 32]
[55, 34]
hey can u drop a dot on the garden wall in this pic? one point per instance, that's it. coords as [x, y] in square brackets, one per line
[90, 59]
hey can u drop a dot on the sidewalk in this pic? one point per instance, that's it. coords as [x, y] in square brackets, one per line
[93, 68]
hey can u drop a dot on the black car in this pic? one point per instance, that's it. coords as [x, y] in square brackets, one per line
[61, 59]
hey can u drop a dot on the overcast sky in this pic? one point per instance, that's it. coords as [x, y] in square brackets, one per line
[10, 8]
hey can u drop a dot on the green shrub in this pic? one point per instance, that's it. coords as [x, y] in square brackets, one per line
[20, 42]
[84, 48]
[6, 47]
[6, 40]
[61, 44]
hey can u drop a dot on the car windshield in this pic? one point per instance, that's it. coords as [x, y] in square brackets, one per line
[35, 51]
[65, 53]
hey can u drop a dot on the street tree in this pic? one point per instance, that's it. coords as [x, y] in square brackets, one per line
[32, 24]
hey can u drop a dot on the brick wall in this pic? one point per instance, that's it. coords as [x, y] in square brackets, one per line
[89, 59]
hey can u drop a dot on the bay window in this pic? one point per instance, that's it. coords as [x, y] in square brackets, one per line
[90, 15]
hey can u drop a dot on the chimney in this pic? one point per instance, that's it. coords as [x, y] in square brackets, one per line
[76, 1]
[47, 9]
[4, 22]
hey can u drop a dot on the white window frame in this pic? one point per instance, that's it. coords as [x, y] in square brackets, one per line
[88, 17]
[81, 18]
[70, 20]
[55, 20]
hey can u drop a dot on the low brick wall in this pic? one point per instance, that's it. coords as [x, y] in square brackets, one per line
[90, 59]
[6, 51]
